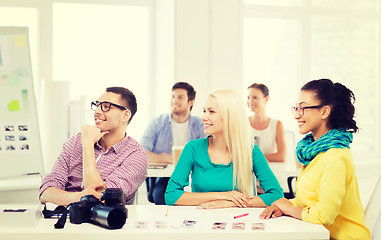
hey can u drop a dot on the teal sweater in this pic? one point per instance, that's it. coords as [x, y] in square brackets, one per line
[210, 177]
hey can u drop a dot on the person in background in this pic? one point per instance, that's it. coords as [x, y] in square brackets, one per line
[326, 190]
[222, 165]
[100, 157]
[268, 132]
[173, 129]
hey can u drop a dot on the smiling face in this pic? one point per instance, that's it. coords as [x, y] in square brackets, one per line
[212, 118]
[179, 101]
[256, 100]
[113, 119]
[313, 120]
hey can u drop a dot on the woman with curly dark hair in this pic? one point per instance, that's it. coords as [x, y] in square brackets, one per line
[327, 189]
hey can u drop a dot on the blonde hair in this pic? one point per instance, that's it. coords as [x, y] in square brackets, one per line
[238, 137]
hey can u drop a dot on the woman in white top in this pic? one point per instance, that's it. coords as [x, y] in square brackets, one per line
[268, 132]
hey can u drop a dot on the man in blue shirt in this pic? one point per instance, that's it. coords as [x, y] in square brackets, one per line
[174, 129]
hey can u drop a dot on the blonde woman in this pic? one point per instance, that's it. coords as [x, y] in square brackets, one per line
[222, 165]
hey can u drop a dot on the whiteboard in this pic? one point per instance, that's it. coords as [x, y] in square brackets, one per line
[20, 143]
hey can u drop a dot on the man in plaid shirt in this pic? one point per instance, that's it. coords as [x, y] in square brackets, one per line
[100, 157]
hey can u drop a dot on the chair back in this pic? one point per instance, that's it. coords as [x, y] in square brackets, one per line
[373, 211]
[289, 137]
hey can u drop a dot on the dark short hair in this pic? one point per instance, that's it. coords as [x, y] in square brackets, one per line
[339, 98]
[261, 87]
[186, 86]
[128, 98]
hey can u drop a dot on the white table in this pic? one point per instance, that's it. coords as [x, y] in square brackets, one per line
[279, 228]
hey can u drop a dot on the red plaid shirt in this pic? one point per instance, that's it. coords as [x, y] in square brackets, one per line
[123, 165]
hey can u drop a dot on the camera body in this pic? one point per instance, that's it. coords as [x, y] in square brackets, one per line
[110, 214]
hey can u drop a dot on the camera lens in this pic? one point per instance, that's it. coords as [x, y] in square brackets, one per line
[113, 218]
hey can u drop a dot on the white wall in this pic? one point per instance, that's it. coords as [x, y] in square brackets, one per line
[208, 46]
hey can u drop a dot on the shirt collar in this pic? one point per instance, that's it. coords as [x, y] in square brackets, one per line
[117, 148]
[190, 119]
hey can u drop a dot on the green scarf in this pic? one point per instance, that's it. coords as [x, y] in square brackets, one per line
[307, 149]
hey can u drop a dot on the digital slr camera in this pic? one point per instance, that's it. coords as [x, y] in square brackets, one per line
[111, 214]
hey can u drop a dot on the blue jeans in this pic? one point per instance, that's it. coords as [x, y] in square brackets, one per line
[159, 190]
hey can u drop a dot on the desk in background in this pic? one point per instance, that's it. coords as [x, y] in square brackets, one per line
[279, 228]
[161, 172]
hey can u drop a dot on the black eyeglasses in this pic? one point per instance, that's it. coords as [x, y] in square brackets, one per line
[300, 110]
[105, 106]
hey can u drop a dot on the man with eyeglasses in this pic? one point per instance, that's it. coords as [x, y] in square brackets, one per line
[100, 157]
[168, 130]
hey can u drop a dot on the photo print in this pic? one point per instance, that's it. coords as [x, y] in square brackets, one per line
[219, 226]
[23, 128]
[238, 226]
[188, 224]
[22, 138]
[24, 147]
[10, 148]
[10, 138]
[9, 128]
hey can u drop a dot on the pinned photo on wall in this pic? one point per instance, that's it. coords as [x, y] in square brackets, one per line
[9, 128]
[22, 138]
[11, 148]
[23, 128]
[10, 138]
[24, 147]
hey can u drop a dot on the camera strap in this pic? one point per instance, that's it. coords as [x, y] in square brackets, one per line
[60, 210]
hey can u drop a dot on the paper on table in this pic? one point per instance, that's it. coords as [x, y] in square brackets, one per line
[20, 217]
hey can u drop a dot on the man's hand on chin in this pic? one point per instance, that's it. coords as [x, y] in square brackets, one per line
[91, 134]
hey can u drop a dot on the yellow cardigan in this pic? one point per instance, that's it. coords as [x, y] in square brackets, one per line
[327, 190]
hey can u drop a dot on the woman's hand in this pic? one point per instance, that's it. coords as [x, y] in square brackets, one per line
[271, 212]
[288, 209]
[283, 204]
[216, 204]
[239, 199]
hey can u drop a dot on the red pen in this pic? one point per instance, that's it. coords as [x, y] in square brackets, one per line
[242, 215]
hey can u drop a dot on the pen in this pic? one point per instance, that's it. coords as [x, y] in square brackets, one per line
[242, 215]
[166, 214]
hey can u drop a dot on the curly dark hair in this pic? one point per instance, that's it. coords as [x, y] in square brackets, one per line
[339, 98]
